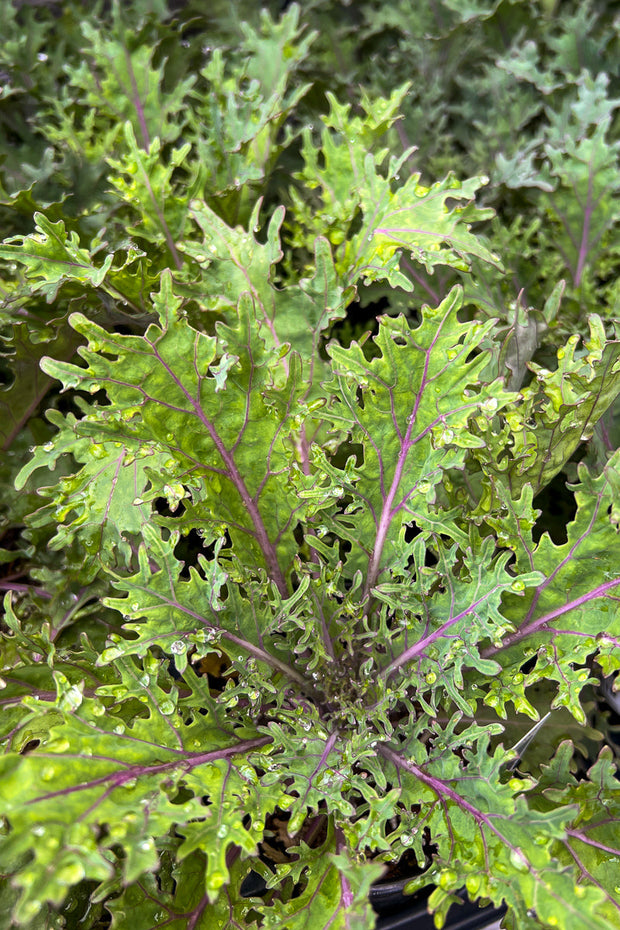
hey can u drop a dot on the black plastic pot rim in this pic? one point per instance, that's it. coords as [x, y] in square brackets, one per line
[395, 913]
[399, 911]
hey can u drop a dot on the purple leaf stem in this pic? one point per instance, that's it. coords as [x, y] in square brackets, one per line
[23, 588]
[603, 432]
[269, 552]
[267, 658]
[232, 854]
[584, 244]
[256, 651]
[43, 386]
[188, 761]
[137, 102]
[426, 641]
[591, 878]
[440, 788]
[582, 867]
[542, 622]
[389, 509]
[197, 912]
[162, 220]
[578, 835]
[146, 142]
[150, 897]
[386, 513]
[346, 894]
[329, 745]
[445, 793]
[434, 295]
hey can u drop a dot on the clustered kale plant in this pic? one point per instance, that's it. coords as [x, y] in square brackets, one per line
[283, 398]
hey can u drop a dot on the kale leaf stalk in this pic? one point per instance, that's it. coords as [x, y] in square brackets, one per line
[388, 510]
[260, 531]
[542, 623]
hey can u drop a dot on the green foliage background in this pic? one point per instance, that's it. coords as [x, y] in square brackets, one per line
[306, 311]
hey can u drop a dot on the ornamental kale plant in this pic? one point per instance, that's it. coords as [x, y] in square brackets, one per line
[282, 607]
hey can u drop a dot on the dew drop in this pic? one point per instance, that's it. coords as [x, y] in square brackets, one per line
[71, 699]
[108, 655]
[519, 860]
